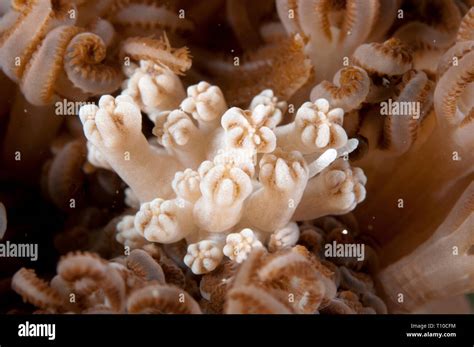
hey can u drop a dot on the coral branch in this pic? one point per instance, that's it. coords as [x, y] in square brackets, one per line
[114, 128]
[316, 128]
[283, 177]
[225, 184]
[337, 190]
[165, 221]
[155, 88]
[178, 134]
[204, 256]
[206, 104]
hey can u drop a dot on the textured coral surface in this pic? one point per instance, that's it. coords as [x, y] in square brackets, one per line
[222, 156]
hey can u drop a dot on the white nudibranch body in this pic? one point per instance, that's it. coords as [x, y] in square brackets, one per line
[226, 180]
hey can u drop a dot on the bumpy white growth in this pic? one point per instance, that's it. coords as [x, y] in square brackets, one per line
[270, 107]
[186, 185]
[96, 158]
[337, 190]
[316, 128]
[283, 177]
[285, 237]
[225, 184]
[128, 235]
[177, 133]
[165, 221]
[203, 256]
[239, 245]
[154, 88]
[200, 185]
[114, 129]
[206, 104]
[247, 130]
[105, 125]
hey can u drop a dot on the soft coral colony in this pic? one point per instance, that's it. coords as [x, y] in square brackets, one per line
[254, 167]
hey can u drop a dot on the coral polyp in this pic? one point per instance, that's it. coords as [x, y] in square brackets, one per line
[304, 156]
